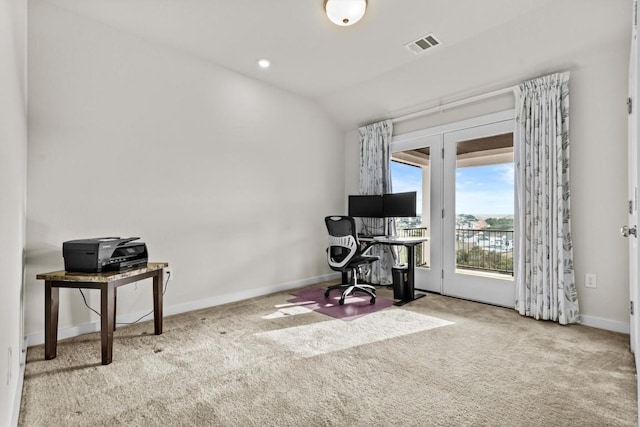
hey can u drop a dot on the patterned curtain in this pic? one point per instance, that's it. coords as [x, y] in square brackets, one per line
[375, 178]
[545, 284]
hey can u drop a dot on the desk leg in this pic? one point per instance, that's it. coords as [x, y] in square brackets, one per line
[107, 320]
[157, 302]
[411, 280]
[411, 276]
[51, 299]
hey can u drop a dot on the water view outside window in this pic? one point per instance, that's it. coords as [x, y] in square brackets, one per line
[484, 218]
[484, 213]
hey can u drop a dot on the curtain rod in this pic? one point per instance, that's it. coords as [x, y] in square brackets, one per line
[440, 108]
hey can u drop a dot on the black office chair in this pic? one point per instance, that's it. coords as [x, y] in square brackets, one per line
[345, 255]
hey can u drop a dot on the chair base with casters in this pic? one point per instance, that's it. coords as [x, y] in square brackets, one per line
[344, 254]
[352, 288]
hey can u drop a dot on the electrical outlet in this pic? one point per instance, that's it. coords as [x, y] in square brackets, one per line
[589, 280]
[168, 273]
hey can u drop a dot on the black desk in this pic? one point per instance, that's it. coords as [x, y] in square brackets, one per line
[410, 243]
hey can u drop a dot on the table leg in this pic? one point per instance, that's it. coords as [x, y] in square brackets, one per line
[107, 320]
[115, 306]
[157, 302]
[51, 299]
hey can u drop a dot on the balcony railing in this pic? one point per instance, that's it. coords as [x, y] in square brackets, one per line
[413, 232]
[485, 250]
[480, 250]
[422, 257]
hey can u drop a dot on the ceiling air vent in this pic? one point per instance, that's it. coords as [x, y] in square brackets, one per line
[422, 44]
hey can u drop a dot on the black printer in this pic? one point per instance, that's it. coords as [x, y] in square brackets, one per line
[103, 254]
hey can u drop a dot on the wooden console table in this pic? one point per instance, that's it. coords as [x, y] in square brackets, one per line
[107, 283]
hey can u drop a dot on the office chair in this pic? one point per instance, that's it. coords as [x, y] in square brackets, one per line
[345, 255]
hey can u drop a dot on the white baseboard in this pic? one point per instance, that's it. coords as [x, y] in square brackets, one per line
[85, 328]
[609, 325]
[239, 296]
[15, 415]
[64, 333]
[637, 359]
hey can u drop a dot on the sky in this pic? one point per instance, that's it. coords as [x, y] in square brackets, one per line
[479, 189]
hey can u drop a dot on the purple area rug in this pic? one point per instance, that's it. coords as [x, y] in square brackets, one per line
[354, 306]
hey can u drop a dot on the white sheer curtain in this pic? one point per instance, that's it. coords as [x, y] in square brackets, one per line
[545, 283]
[375, 178]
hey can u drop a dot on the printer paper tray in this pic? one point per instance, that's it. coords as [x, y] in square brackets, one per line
[123, 265]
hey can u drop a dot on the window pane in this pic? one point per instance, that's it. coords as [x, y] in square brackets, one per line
[485, 205]
[410, 171]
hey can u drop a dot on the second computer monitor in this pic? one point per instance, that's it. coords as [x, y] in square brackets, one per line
[400, 204]
[366, 206]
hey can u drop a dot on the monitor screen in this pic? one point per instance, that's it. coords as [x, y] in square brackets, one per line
[400, 204]
[366, 206]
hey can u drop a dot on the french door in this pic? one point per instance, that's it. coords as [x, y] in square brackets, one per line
[479, 257]
[418, 167]
[470, 260]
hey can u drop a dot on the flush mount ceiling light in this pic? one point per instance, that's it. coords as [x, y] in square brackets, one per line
[345, 12]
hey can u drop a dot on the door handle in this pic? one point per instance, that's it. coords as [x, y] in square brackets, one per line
[626, 231]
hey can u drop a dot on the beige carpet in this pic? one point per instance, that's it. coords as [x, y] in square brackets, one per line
[437, 361]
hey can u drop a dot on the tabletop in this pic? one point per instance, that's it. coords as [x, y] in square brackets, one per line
[107, 276]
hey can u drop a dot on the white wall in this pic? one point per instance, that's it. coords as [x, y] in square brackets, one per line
[13, 163]
[598, 126]
[226, 178]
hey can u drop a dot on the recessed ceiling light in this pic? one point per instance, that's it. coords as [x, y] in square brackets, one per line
[264, 63]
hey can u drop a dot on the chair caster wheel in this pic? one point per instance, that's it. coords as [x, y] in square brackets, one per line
[373, 301]
[341, 302]
[326, 294]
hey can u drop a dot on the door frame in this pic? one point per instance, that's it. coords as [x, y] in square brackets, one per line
[429, 279]
[488, 288]
[432, 279]
[633, 185]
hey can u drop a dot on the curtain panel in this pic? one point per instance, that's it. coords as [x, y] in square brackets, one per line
[375, 178]
[545, 282]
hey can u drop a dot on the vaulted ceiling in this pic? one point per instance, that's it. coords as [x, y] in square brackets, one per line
[362, 73]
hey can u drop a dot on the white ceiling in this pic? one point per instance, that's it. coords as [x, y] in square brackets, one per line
[363, 73]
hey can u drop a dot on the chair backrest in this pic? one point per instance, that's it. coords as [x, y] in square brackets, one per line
[343, 241]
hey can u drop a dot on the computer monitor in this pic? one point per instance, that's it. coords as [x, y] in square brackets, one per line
[366, 206]
[400, 204]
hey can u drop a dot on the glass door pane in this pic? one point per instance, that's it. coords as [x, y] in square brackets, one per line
[406, 176]
[417, 166]
[479, 213]
[484, 205]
